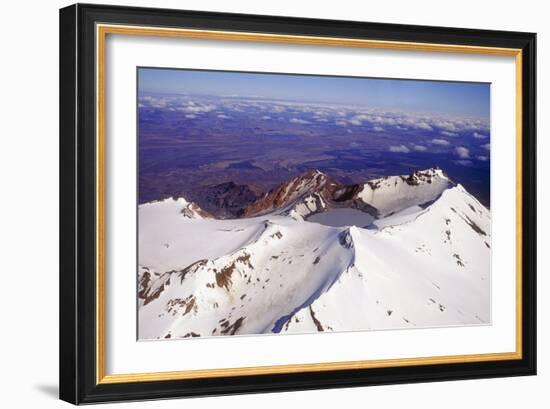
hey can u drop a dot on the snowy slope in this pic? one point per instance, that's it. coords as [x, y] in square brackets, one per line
[338, 270]
[253, 286]
[441, 276]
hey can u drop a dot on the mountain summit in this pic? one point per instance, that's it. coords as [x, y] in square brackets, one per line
[419, 256]
[395, 193]
[313, 187]
[314, 192]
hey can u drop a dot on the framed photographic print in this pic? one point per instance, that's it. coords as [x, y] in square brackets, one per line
[258, 203]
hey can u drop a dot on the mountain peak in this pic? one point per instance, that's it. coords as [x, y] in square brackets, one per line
[394, 193]
[312, 182]
[315, 191]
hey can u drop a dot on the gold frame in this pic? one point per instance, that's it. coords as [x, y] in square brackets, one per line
[102, 30]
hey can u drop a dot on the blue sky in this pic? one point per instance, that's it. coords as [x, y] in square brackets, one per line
[438, 97]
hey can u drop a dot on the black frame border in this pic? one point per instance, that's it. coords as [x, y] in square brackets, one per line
[78, 197]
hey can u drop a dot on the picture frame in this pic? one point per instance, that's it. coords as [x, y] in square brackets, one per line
[83, 213]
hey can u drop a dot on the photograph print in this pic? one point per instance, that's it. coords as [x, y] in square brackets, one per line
[283, 203]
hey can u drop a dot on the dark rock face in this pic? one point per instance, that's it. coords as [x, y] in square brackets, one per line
[346, 193]
[225, 200]
[308, 183]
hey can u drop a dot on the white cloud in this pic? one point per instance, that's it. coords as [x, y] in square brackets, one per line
[478, 135]
[462, 152]
[483, 158]
[382, 120]
[358, 119]
[222, 116]
[299, 121]
[190, 116]
[447, 125]
[464, 162]
[420, 148]
[399, 149]
[378, 129]
[424, 126]
[441, 142]
[486, 146]
[193, 108]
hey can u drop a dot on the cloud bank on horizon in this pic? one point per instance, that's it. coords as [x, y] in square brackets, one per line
[450, 131]
[468, 99]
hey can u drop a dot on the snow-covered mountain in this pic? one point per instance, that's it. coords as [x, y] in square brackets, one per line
[314, 192]
[313, 255]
